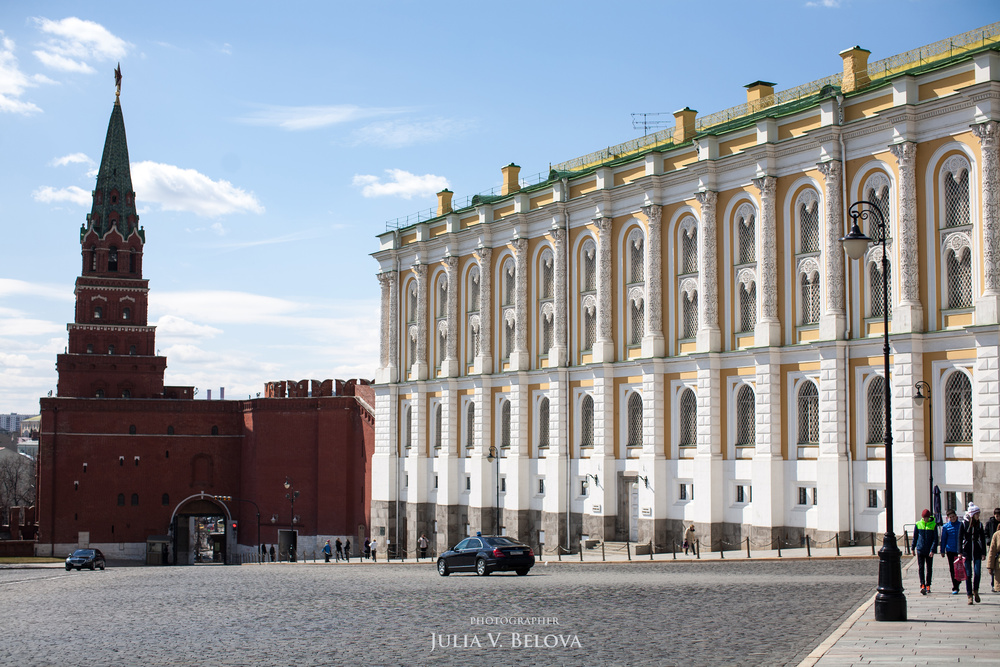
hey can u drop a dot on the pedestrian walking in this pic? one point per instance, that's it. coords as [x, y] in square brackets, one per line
[272, 553]
[991, 530]
[973, 539]
[367, 552]
[951, 545]
[689, 540]
[374, 548]
[340, 549]
[925, 540]
[422, 545]
[993, 561]
[347, 551]
[326, 551]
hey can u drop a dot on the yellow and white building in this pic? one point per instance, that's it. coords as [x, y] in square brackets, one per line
[669, 332]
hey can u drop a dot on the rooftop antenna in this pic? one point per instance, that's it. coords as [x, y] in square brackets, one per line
[647, 121]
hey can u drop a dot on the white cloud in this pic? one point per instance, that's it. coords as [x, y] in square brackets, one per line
[48, 194]
[402, 184]
[222, 306]
[72, 158]
[832, 4]
[73, 42]
[177, 189]
[26, 326]
[397, 134]
[13, 81]
[315, 117]
[170, 326]
[10, 287]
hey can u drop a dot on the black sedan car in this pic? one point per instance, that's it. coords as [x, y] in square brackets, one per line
[89, 558]
[485, 554]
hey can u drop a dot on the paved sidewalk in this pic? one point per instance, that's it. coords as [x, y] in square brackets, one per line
[941, 628]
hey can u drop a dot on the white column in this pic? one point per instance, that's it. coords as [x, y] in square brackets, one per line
[389, 338]
[986, 420]
[833, 321]
[484, 362]
[908, 315]
[708, 474]
[832, 481]
[520, 357]
[768, 463]
[604, 346]
[709, 336]
[450, 366]
[420, 363]
[603, 458]
[988, 304]
[559, 353]
[768, 330]
[652, 340]
[909, 461]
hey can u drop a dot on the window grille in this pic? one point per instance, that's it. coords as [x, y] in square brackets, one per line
[543, 423]
[810, 298]
[872, 498]
[958, 408]
[636, 263]
[689, 251]
[879, 197]
[505, 423]
[748, 239]
[508, 339]
[476, 340]
[809, 226]
[877, 301]
[442, 347]
[407, 428]
[960, 278]
[413, 350]
[587, 421]
[689, 418]
[589, 328]
[547, 276]
[437, 426]
[589, 267]
[412, 314]
[876, 410]
[746, 417]
[443, 299]
[748, 307]
[808, 414]
[803, 496]
[474, 291]
[634, 420]
[546, 333]
[509, 287]
[956, 199]
[470, 424]
[638, 325]
[951, 500]
[690, 305]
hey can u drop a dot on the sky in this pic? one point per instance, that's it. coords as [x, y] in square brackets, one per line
[270, 144]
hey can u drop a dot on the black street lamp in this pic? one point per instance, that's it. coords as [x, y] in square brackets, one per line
[291, 496]
[921, 387]
[494, 455]
[890, 602]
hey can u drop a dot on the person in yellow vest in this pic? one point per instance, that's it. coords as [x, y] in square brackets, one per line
[925, 540]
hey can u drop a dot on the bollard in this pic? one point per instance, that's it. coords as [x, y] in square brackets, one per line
[559, 552]
[722, 550]
[808, 549]
[779, 548]
[651, 550]
[873, 544]
[581, 551]
[673, 549]
[697, 548]
[748, 547]
[906, 543]
[628, 550]
[836, 539]
[541, 548]
[602, 550]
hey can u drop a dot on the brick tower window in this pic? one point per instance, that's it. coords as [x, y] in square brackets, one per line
[113, 259]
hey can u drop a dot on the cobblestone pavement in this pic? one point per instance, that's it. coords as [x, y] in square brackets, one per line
[661, 613]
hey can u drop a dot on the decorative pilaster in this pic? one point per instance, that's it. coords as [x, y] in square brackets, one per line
[389, 338]
[604, 347]
[768, 330]
[450, 366]
[709, 336]
[484, 362]
[833, 322]
[768, 465]
[652, 341]
[420, 362]
[520, 358]
[908, 316]
[988, 305]
[559, 354]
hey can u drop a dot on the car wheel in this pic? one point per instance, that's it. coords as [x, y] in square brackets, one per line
[481, 568]
[69, 568]
[102, 566]
[93, 567]
[443, 568]
[521, 571]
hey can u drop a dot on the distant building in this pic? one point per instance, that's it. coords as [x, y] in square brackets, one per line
[667, 332]
[129, 464]
[12, 422]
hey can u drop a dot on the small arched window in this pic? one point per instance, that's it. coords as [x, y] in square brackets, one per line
[636, 257]
[746, 225]
[689, 305]
[135, 499]
[504, 424]
[126, 313]
[880, 295]
[474, 289]
[808, 413]
[958, 408]
[548, 275]
[808, 210]
[111, 349]
[689, 419]
[589, 266]
[438, 421]
[121, 500]
[634, 419]
[876, 410]
[131, 349]
[470, 425]
[170, 430]
[93, 258]
[689, 247]
[407, 427]
[810, 297]
[587, 421]
[746, 417]
[959, 266]
[113, 259]
[215, 430]
[98, 312]
[90, 348]
[509, 282]
[131, 429]
[99, 393]
[543, 423]
[126, 393]
[956, 192]
[165, 499]
[748, 306]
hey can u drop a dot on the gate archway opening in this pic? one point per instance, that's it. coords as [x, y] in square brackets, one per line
[199, 531]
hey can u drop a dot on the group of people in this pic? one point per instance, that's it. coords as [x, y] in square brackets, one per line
[966, 543]
[342, 551]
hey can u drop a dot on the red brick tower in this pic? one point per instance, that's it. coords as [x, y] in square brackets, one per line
[112, 349]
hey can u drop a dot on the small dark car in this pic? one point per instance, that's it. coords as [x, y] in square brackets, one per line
[89, 558]
[486, 554]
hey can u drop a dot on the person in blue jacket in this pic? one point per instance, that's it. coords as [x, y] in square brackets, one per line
[950, 545]
[925, 540]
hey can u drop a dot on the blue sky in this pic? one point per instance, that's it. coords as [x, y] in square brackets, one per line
[270, 143]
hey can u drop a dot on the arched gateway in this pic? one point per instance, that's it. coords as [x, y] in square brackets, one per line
[199, 531]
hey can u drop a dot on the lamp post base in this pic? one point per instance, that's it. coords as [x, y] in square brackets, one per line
[890, 602]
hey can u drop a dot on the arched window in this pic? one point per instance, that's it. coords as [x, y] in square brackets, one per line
[746, 417]
[958, 408]
[548, 325]
[135, 499]
[113, 259]
[809, 283]
[93, 258]
[808, 413]
[636, 257]
[504, 424]
[126, 393]
[877, 191]
[442, 299]
[131, 429]
[165, 499]
[411, 310]
[474, 289]
[131, 349]
[470, 425]
[508, 333]
[689, 246]
[689, 309]
[215, 430]
[474, 325]
[99, 393]
[587, 421]
[170, 430]
[689, 419]
[111, 349]
[637, 317]
[746, 226]
[955, 174]
[589, 266]
[634, 420]
[748, 306]
[880, 295]
[126, 313]
[543, 423]
[121, 500]
[876, 410]
[548, 275]
[437, 426]
[959, 267]
[407, 427]
[509, 283]
[589, 322]
[98, 312]
[807, 207]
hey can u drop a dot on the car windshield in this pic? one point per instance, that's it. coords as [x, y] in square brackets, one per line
[500, 542]
[83, 553]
